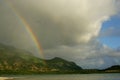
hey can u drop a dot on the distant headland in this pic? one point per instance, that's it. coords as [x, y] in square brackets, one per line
[16, 61]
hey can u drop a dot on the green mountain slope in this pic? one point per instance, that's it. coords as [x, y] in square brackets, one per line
[14, 60]
[62, 65]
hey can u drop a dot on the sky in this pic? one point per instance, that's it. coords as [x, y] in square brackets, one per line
[111, 32]
[86, 32]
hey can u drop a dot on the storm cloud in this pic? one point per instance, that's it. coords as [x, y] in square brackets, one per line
[65, 28]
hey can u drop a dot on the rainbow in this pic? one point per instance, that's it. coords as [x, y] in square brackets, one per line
[28, 29]
[33, 36]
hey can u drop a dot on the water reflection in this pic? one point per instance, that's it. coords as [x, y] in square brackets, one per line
[67, 77]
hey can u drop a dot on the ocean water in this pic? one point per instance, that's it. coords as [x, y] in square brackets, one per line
[65, 77]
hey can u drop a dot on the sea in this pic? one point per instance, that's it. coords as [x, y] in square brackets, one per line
[115, 76]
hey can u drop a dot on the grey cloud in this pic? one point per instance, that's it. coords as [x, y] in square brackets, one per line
[12, 30]
[118, 6]
[65, 22]
[65, 28]
[93, 55]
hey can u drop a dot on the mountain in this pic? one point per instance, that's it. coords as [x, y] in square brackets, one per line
[17, 61]
[113, 69]
[62, 65]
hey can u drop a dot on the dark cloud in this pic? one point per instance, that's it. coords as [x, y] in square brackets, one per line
[65, 28]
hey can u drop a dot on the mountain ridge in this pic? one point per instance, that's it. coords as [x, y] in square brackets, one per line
[20, 61]
[17, 61]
